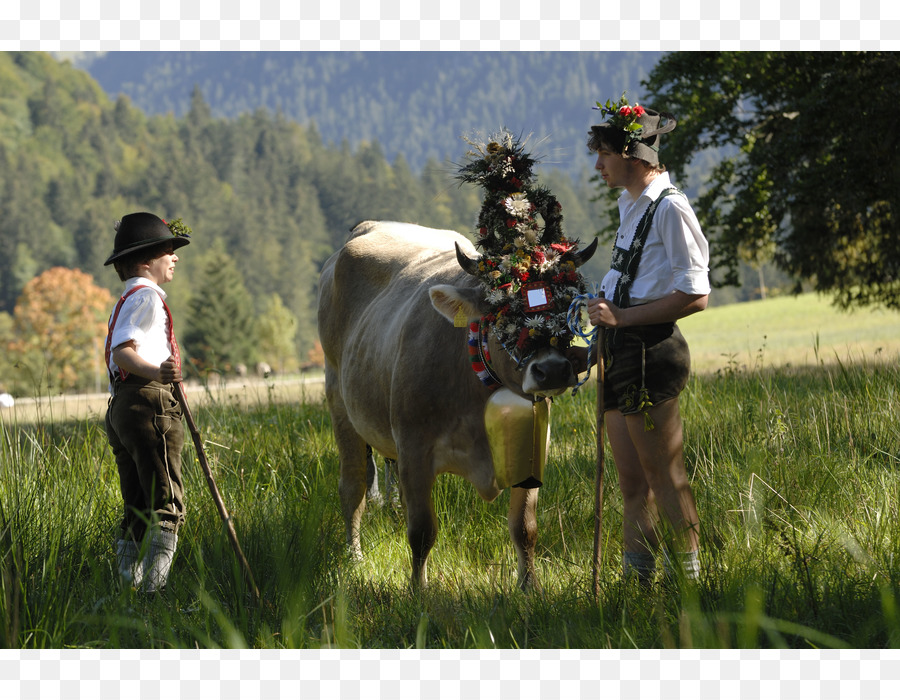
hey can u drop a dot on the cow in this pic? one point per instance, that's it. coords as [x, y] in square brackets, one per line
[398, 378]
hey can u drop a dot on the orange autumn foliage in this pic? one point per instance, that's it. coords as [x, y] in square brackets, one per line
[60, 329]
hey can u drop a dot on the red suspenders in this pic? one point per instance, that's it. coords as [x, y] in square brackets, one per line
[173, 344]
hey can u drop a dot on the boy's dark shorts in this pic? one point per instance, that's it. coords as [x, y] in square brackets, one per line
[655, 358]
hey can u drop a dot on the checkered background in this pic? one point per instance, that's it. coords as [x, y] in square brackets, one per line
[532, 25]
[452, 25]
[353, 675]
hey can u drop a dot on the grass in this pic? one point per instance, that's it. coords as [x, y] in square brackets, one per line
[795, 469]
[788, 331]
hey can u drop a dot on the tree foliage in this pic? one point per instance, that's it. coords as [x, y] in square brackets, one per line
[258, 186]
[59, 327]
[221, 330]
[808, 174]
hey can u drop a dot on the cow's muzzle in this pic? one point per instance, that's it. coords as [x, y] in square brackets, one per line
[548, 374]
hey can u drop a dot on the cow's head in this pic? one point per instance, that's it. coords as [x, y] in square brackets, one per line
[527, 337]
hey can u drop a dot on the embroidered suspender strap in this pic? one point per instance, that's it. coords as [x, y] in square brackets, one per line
[173, 344]
[626, 261]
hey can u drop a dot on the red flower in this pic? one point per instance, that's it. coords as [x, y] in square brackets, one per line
[625, 111]
[523, 338]
[561, 247]
[482, 231]
[639, 111]
[511, 223]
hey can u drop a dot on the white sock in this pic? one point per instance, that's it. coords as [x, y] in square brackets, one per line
[689, 563]
[158, 561]
[131, 569]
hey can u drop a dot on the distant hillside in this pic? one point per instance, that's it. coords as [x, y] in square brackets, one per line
[417, 104]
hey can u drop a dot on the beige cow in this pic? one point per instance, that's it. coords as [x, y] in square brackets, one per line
[398, 378]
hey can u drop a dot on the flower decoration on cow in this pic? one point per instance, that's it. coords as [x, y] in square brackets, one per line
[527, 266]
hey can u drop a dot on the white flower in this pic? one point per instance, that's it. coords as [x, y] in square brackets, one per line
[496, 296]
[517, 205]
[557, 327]
[534, 322]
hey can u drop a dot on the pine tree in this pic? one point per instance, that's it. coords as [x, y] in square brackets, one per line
[220, 326]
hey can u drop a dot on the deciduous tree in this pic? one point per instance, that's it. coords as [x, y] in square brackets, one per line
[59, 326]
[808, 171]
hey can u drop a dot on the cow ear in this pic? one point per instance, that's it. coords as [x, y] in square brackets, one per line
[457, 303]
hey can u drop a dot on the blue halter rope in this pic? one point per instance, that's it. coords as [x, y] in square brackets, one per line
[573, 319]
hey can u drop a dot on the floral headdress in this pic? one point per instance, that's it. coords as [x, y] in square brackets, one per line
[526, 267]
[631, 130]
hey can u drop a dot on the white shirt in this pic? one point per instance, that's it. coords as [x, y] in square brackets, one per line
[142, 319]
[676, 254]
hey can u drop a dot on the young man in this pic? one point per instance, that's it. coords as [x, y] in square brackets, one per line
[659, 274]
[143, 422]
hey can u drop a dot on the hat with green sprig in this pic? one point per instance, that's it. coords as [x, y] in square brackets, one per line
[142, 230]
[528, 268]
[631, 130]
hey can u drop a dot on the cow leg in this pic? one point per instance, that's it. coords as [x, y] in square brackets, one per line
[421, 521]
[352, 484]
[522, 522]
[373, 493]
[352, 490]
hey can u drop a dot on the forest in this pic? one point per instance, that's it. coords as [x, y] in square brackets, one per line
[267, 196]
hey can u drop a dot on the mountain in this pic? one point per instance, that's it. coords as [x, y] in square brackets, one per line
[418, 104]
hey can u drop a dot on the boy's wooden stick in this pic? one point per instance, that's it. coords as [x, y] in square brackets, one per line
[598, 484]
[201, 455]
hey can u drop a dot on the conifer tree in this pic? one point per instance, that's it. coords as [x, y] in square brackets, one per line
[220, 330]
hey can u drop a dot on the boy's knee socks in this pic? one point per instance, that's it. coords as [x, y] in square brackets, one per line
[640, 564]
[158, 560]
[688, 562]
[131, 567]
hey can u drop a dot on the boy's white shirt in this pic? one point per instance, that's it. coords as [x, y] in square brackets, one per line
[676, 254]
[143, 319]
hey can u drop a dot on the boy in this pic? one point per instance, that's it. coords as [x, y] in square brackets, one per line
[143, 422]
[660, 273]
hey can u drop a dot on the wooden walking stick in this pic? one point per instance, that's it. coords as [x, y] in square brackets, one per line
[201, 455]
[598, 482]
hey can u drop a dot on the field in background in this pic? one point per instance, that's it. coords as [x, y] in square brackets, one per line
[788, 331]
[778, 332]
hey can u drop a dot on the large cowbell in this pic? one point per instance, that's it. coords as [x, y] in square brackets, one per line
[518, 432]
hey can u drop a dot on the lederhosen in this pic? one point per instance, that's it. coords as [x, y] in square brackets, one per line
[645, 365]
[145, 431]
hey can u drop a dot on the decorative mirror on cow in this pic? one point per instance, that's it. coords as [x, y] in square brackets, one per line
[537, 297]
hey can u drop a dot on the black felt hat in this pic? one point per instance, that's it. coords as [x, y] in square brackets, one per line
[644, 144]
[142, 230]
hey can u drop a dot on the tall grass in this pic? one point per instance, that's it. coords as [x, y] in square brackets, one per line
[795, 472]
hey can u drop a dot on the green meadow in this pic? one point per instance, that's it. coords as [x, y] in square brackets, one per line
[792, 445]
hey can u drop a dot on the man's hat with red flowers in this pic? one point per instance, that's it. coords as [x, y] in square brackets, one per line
[631, 130]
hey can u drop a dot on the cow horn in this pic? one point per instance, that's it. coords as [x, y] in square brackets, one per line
[582, 256]
[468, 264]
